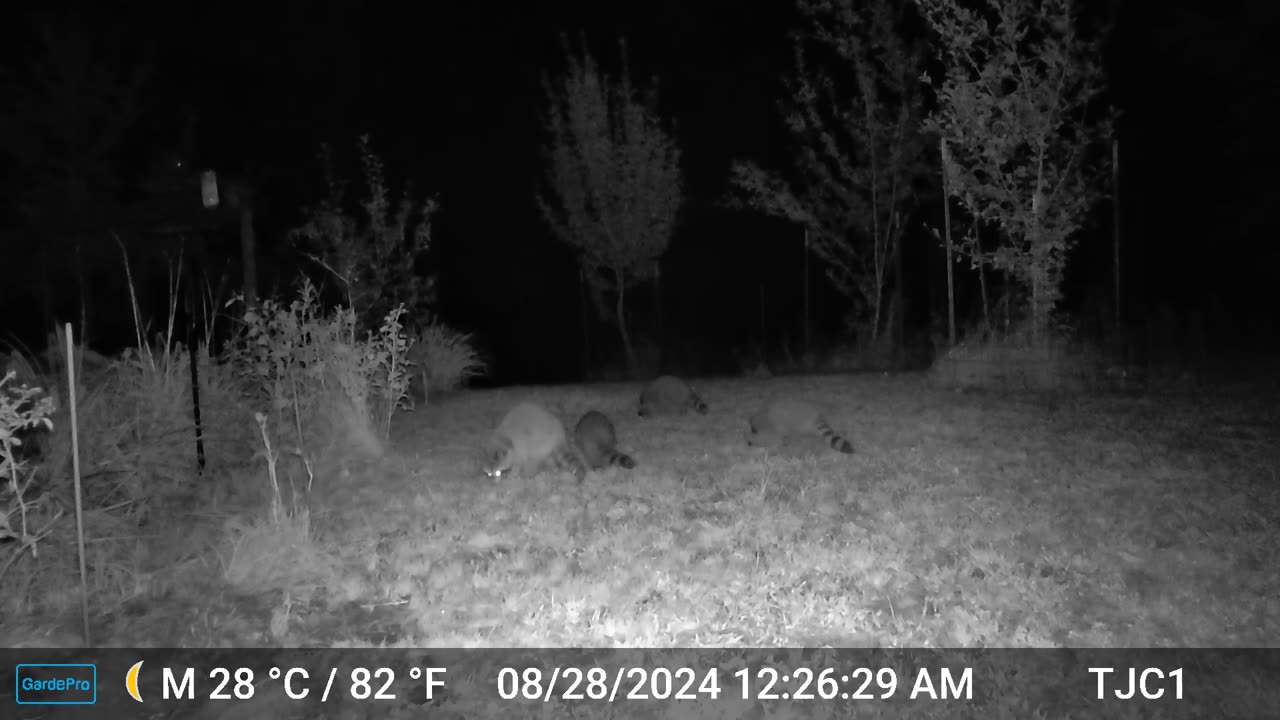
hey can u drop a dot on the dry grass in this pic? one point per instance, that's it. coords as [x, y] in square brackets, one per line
[138, 464]
[964, 520]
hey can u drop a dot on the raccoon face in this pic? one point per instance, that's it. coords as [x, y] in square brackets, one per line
[497, 464]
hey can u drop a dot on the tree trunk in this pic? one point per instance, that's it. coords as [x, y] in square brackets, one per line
[986, 298]
[584, 297]
[1037, 308]
[877, 303]
[764, 325]
[808, 326]
[951, 287]
[1115, 228]
[248, 256]
[84, 297]
[46, 299]
[660, 312]
[876, 257]
[900, 308]
[951, 284]
[1008, 302]
[620, 311]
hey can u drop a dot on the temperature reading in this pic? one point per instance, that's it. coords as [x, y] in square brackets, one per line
[299, 684]
[362, 680]
[243, 684]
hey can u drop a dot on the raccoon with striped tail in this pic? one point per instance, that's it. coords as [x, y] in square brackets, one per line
[669, 395]
[780, 420]
[597, 441]
[528, 440]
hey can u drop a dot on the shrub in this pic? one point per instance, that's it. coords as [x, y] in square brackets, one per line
[374, 252]
[316, 376]
[444, 358]
[992, 361]
[23, 518]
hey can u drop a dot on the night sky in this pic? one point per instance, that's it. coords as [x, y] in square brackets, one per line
[451, 94]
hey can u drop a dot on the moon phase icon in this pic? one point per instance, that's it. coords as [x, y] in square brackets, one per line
[131, 681]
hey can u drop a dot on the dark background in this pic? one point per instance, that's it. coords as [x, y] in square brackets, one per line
[451, 94]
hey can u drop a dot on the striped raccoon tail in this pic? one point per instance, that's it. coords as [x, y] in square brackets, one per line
[622, 460]
[834, 439]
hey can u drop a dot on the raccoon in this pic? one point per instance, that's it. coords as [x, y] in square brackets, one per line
[597, 442]
[530, 439]
[782, 419]
[670, 395]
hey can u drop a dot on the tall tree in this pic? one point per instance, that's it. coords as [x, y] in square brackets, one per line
[1017, 106]
[855, 117]
[614, 181]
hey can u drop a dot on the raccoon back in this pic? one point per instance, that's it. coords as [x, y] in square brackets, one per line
[788, 418]
[597, 440]
[669, 394]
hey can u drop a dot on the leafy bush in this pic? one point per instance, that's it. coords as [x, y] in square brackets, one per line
[22, 409]
[317, 377]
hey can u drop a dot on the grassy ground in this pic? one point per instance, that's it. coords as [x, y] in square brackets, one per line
[962, 520]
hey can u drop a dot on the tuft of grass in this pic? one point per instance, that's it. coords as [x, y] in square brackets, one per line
[45, 584]
[445, 358]
[138, 431]
[264, 554]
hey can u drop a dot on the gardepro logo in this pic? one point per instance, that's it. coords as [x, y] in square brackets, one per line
[57, 684]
